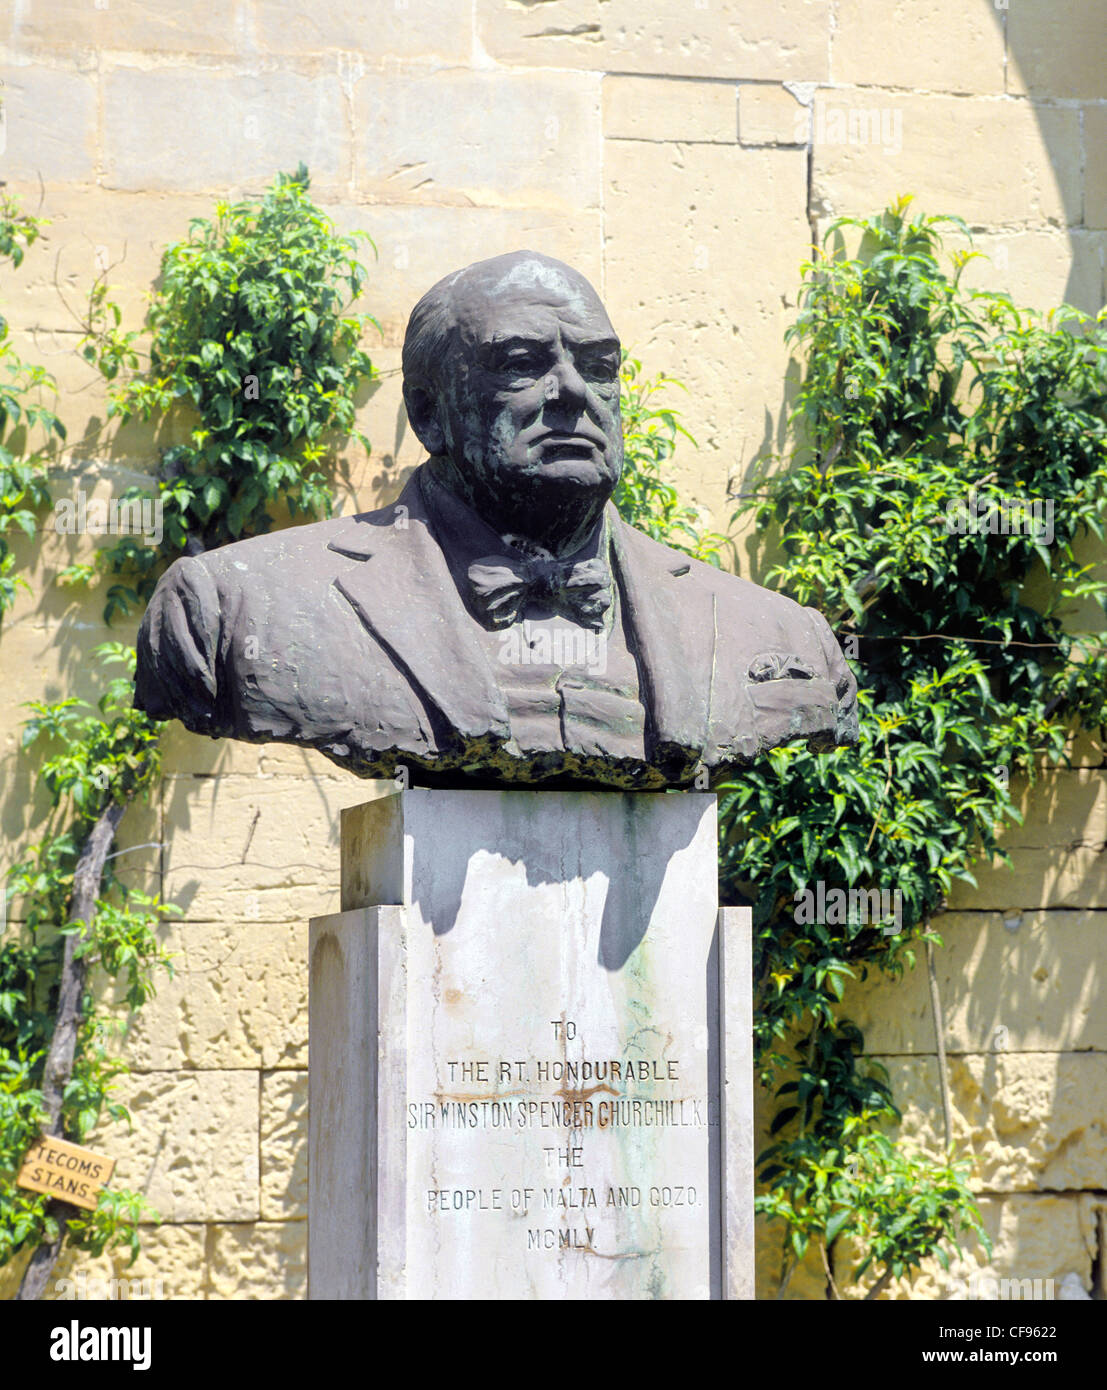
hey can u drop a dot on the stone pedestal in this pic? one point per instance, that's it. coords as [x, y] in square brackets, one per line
[530, 1069]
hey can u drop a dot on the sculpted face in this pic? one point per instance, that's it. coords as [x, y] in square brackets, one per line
[529, 404]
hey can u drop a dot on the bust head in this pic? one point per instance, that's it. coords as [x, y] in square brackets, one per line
[511, 382]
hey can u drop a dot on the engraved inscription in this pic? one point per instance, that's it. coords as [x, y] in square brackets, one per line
[589, 1100]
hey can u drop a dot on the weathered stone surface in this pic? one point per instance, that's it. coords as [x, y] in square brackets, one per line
[284, 1145]
[254, 849]
[93, 231]
[48, 124]
[717, 38]
[1016, 163]
[1020, 982]
[193, 1151]
[1062, 807]
[1035, 1122]
[260, 1260]
[172, 1263]
[807, 1282]
[186, 26]
[931, 45]
[452, 1116]
[647, 108]
[266, 122]
[1095, 166]
[425, 30]
[475, 137]
[1036, 1239]
[420, 242]
[238, 998]
[721, 322]
[771, 115]
[1050, 53]
[1038, 878]
[1038, 268]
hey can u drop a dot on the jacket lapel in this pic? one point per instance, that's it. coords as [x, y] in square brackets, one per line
[672, 622]
[405, 595]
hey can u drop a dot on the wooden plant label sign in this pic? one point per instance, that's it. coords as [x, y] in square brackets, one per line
[65, 1171]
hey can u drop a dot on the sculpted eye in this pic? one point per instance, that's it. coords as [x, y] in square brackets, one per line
[521, 361]
[601, 365]
[517, 359]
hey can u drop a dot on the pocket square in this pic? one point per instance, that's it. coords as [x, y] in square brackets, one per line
[775, 666]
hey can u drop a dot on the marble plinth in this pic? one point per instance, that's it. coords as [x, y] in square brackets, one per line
[530, 1067]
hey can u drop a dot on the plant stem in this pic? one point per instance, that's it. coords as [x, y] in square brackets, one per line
[67, 1021]
[835, 1294]
[940, 1043]
[879, 1287]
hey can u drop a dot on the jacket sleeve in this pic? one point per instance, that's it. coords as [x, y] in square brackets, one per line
[178, 644]
[846, 727]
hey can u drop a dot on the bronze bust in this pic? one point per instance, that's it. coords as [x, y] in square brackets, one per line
[499, 624]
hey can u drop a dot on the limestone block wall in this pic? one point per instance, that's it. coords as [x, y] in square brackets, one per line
[682, 153]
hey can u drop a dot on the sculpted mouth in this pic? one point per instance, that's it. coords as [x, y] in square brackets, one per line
[566, 446]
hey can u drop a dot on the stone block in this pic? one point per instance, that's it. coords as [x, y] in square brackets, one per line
[172, 1264]
[807, 1283]
[650, 108]
[419, 243]
[1037, 878]
[254, 849]
[238, 998]
[93, 231]
[48, 125]
[263, 1259]
[924, 45]
[1037, 1242]
[193, 1151]
[1019, 982]
[138, 26]
[1032, 1121]
[1040, 268]
[421, 30]
[1016, 163]
[708, 38]
[770, 115]
[476, 137]
[1055, 51]
[284, 1145]
[464, 1193]
[1062, 807]
[158, 128]
[1095, 166]
[704, 245]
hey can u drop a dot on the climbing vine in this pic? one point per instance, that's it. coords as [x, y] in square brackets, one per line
[27, 392]
[951, 475]
[251, 333]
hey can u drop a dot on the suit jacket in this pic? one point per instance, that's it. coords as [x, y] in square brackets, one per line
[350, 636]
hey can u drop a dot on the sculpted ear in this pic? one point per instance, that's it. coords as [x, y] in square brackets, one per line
[422, 411]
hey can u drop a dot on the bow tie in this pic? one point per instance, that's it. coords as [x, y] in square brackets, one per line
[502, 586]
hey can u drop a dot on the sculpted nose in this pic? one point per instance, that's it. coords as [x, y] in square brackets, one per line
[565, 385]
